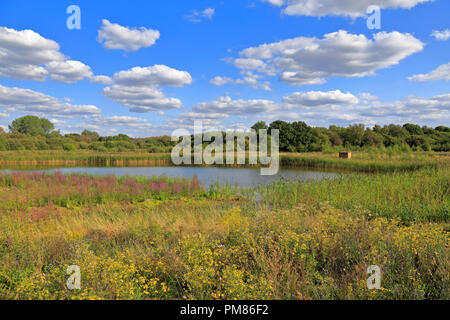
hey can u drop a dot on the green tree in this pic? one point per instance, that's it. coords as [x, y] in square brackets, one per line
[286, 134]
[94, 136]
[336, 140]
[321, 140]
[303, 136]
[122, 136]
[413, 129]
[294, 137]
[32, 126]
[397, 131]
[353, 135]
[370, 138]
[260, 125]
[443, 129]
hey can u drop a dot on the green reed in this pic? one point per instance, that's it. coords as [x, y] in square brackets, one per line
[423, 195]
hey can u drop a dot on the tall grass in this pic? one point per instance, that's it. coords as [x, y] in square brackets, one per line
[40, 192]
[355, 165]
[89, 158]
[423, 195]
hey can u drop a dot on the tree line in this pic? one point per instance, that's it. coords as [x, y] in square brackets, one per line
[33, 133]
[299, 137]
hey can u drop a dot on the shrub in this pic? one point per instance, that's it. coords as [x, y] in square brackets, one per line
[83, 145]
[12, 144]
[97, 146]
[69, 147]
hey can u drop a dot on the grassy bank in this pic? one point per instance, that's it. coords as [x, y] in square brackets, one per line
[360, 162]
[420, 196]
[82, 158]
[172, 239]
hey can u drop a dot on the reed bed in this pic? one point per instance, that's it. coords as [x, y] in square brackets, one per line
[360, 162]
[423, 195]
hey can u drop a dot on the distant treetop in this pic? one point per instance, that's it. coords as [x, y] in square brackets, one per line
[32, 126]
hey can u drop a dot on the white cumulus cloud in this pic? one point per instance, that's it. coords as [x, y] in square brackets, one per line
[139, 89]
[198, 16]
[121, 122]
[23, 54]
[350, 8]
[157, 75]
[115, 36]
[335, 107]
[141, 99]
[441, 35]
[250, 80]
[101, 79]
[26, 101]
[441, 73]
[311, 60]
[277, 3]
[226, 105]
[27, 55]
[68, 71]
[314, 99]
[210, 121]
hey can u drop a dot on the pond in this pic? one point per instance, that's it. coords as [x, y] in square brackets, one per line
[243, 177]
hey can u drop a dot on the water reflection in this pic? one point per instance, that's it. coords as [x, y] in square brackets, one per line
[242, 177]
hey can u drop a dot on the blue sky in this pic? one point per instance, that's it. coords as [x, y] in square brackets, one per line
[149, 67]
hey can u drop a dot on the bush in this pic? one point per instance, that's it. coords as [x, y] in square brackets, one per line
[69, 147]
[126, 145]
[109, 144]
[14, 145]
[83, 145]
[28, 143]
[41, 145]
[97, 146]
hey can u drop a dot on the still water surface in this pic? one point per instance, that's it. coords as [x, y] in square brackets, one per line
[243, 177]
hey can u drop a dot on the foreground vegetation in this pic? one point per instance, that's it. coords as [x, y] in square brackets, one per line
[136, 238]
